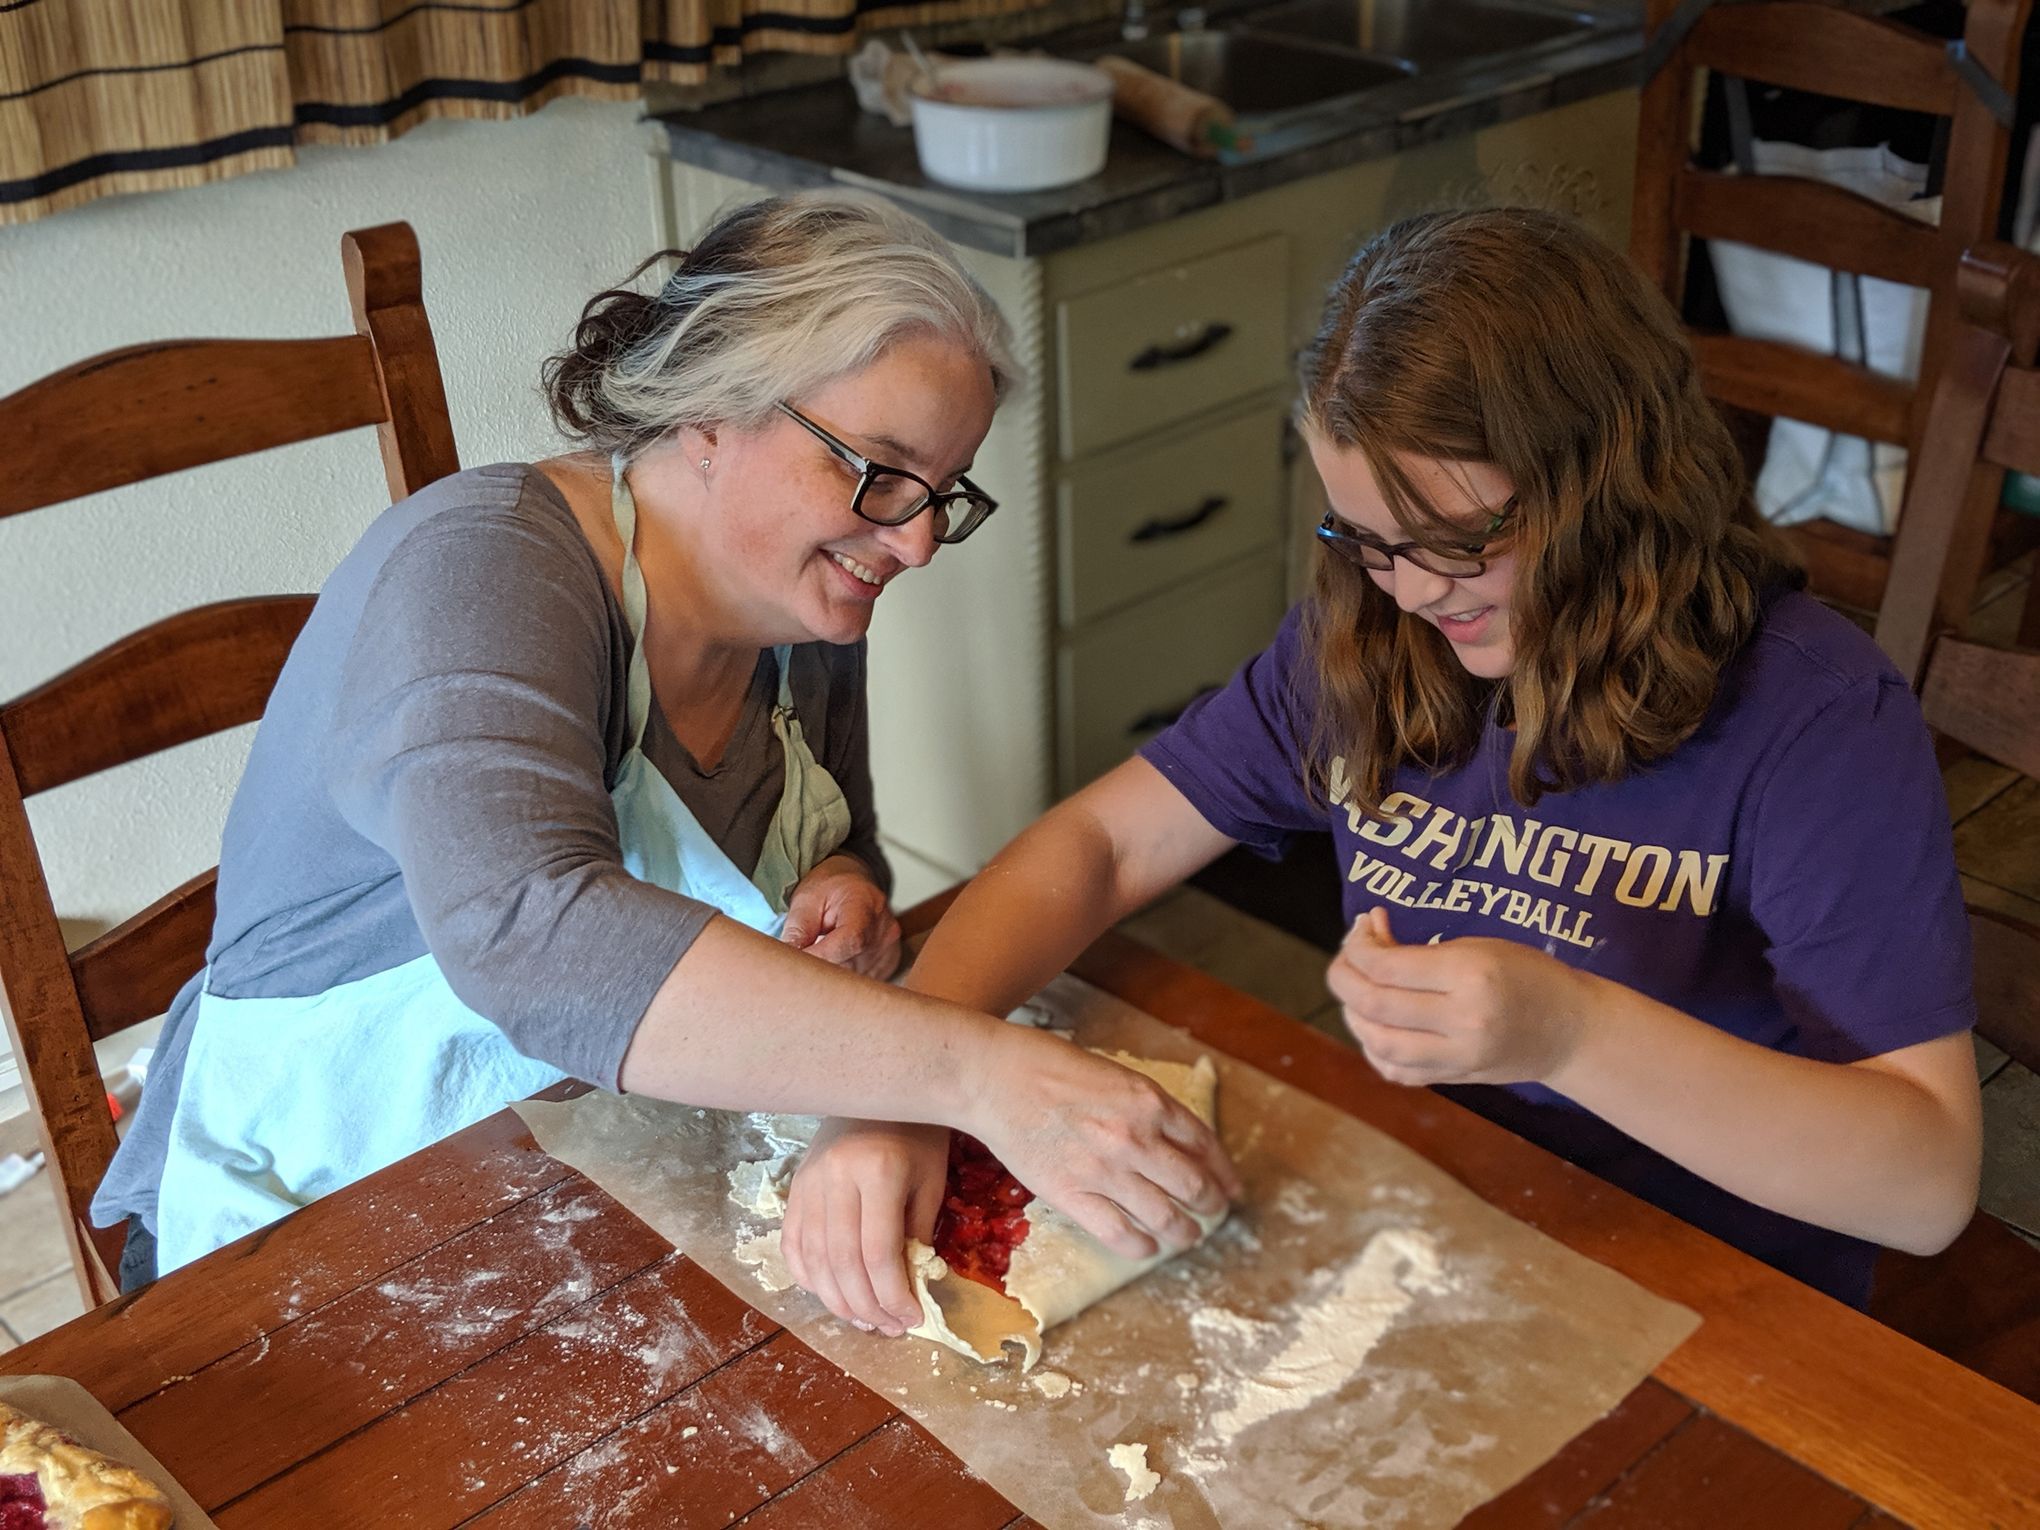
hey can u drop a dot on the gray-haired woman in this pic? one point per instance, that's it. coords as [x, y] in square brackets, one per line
[567, 775]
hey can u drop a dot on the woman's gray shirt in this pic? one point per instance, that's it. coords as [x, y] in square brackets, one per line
[433, 774]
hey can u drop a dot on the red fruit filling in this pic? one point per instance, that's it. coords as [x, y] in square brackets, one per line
[21, 1503]
[981, 1222]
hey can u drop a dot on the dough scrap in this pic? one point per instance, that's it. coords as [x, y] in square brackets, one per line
[1058, 1269]
[759, 1186]
[1132, 1459]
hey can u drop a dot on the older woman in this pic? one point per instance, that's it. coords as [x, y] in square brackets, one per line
[567, 774]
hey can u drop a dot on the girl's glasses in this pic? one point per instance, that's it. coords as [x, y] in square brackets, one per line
[890, 496]
[1376, 556]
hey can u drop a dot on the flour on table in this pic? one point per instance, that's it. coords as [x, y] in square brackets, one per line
[1331, 1338]
[1132, 1459]
[1050, 1383]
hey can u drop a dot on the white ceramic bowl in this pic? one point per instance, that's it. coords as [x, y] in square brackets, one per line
[1012, 124]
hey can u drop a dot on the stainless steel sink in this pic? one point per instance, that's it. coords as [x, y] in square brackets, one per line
[1428, 34]
[1258, 75]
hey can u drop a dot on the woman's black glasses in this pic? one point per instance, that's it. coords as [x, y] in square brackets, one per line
[890, 496]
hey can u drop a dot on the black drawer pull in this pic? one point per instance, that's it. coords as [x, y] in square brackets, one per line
[1161, 717]
[1187, 350]
[1160, 527]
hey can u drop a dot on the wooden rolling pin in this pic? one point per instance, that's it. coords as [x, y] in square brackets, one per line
[1186, 120]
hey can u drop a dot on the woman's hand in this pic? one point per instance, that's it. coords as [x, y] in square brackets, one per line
[863, 1189]
[839, 914]
[1106, 1146]
[1473, 1011]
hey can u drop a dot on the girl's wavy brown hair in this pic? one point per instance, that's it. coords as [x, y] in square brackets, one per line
[1514, 337]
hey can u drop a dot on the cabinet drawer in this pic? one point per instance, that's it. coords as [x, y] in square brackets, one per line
[1171, 343]
[1140, 520]
[1126, 678]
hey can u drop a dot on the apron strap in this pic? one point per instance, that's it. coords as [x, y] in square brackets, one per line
[783, 657]
[638, 688]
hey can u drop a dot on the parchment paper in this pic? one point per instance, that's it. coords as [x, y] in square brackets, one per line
[62, 1404]
[1473, 1377]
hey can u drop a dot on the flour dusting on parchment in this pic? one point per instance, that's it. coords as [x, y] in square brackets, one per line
[1336, 1326]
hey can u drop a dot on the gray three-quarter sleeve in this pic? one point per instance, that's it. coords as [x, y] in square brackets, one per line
[468, 742]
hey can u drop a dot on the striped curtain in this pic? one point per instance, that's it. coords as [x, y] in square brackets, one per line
[105, 96]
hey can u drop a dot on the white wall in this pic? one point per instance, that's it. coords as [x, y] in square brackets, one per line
[519, 222]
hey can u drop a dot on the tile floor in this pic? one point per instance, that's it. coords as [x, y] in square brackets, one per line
[1997, 843]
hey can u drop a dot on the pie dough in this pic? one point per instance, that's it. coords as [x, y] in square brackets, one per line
[1057, 1269]
[49, 1481]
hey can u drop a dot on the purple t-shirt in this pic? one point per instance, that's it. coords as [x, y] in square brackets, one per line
[1788, 875]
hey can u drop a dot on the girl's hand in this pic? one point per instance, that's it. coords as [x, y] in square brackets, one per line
[1473, 1011]
[863, 1189]
[839, 914]
[1106, 1146]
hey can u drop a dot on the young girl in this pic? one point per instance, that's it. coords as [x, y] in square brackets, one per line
[1646, 853]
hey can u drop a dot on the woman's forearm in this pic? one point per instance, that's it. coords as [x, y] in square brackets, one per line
[744, 1022]
[1864, 1150]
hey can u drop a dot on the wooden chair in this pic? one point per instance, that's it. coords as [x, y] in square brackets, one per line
[1835, 52]
[1978, 1302]
[116, 419]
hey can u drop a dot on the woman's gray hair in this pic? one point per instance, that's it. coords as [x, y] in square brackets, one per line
[778, 298]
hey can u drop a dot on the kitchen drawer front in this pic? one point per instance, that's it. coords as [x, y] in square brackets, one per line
[1140, 520]
[1171, 343]
[1125, 678]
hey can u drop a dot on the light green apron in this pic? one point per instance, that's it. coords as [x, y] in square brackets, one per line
[286, 1099]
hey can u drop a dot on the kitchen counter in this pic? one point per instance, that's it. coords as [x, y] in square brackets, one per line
[817, 136]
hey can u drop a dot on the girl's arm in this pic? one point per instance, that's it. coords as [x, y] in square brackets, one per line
[1118, 844]
[1887, 1149]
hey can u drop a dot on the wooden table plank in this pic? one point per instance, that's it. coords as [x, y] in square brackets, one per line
[897, 1478]
[1883, 1417]
[508, 1420]
[337, 1370]
[158, 1336]
[1708, 1475]
[710, 1455]
[1589, 1466]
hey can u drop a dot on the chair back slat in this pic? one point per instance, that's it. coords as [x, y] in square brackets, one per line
[1986, 698]
[74, 432]
[2014, 438]
[133, 971]
[1809, 220]
[185, 677]
[1828, 51]
[1775, 378]
[2007, 953]
[112, 420]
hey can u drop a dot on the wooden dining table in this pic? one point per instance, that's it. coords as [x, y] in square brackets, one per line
[437, 1345]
